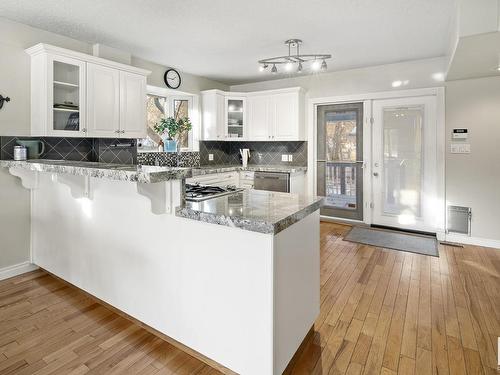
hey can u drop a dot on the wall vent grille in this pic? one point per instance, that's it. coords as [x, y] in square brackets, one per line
[458, 220]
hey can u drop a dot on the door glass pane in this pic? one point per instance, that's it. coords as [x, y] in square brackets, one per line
[341, 153]
[235, 118]
[402, 164]
[66, 98]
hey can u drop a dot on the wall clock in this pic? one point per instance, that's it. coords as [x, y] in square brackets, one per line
[172, 78]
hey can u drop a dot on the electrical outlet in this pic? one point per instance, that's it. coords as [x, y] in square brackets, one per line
[290, 157]
[284, 157]
[210, 157]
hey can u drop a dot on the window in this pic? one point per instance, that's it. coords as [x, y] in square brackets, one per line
[159, 107]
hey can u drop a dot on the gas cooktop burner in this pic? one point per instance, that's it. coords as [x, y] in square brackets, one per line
[199, 192]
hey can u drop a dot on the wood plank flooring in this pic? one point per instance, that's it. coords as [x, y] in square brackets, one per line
[382, 312]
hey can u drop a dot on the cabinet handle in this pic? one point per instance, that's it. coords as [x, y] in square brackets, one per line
[117, 131]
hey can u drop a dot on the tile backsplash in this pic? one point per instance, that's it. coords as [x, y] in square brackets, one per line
[267, 153]
[169, 159]
[119, 151]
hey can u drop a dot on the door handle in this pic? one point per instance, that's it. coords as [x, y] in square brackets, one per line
[375, 174]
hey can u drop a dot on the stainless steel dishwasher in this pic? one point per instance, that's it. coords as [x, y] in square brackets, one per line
[273, 181]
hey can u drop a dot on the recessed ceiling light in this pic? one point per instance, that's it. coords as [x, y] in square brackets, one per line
[397, 83]
[439, 77]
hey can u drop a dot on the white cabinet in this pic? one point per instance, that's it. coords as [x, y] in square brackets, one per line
[213, 103]
[275, 115]
[76, 95]
[259, 117]
[246, 179]
[215, 179]
[103, 101]
[235, 117]
[287, 117]
[132, 105]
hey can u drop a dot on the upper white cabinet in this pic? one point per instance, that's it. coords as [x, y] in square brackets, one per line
[133, 104]
[213, 116]
[275, 115]
[259, 117]
[235, 117]
[76, 95]
[103, 107]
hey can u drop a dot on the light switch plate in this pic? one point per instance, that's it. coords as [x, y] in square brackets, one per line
[460, 148]
[210, 157]
[284, 157]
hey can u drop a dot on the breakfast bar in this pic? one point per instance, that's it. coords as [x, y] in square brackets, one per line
[235, 278]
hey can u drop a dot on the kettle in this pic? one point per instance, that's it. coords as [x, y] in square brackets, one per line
[245, 155]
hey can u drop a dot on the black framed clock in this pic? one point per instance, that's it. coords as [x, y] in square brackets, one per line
[172, 78]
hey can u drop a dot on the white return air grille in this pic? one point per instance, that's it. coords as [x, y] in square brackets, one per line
[458, 220]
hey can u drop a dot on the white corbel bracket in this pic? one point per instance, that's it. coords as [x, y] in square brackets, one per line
[79, 186]
[29, 179]
[164, 196]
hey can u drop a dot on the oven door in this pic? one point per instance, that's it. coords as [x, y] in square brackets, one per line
[272, 181]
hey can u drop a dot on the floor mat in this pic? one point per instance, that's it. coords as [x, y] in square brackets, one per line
[413, 243]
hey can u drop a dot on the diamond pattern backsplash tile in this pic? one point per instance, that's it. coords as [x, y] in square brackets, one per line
[267, 153]
[120, 151]
[117, 150]
[56, 148]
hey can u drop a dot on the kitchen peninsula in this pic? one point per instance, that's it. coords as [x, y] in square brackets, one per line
[235, 278]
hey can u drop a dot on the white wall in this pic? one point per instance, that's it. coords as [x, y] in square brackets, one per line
[15, 120]
[473, 180]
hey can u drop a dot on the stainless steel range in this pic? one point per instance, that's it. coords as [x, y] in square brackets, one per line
[197, 192]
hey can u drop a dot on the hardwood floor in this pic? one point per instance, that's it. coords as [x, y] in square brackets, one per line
[382, 312]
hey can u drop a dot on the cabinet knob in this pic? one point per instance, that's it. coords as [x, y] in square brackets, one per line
[123, 131]
[117, 131]
[84, 130]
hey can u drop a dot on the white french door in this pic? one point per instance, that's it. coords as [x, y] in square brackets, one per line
[404, 164]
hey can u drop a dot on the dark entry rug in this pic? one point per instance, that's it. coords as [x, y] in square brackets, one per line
[413, 243]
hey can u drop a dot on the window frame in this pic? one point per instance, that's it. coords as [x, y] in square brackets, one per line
[193, 111]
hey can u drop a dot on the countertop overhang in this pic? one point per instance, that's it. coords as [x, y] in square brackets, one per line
[255, 210]
[120, 172]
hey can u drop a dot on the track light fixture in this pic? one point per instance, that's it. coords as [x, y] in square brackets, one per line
[295, 58]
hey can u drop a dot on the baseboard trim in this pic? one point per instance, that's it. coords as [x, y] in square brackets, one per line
[17, 269]
[478, 241]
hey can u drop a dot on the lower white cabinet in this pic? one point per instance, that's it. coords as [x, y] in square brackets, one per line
[216, 179]
[246, 179]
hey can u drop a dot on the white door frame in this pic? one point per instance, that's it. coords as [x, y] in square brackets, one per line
[367, 99]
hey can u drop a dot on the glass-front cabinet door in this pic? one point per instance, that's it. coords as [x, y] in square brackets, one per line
[235, 117]
[66, 97]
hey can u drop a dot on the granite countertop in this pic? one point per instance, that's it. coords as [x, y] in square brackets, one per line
[120, 172]
[254, 210]
[209, 169]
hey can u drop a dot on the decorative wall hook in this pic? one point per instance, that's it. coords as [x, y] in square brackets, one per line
[3, 99]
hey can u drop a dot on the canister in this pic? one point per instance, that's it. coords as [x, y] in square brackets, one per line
[20, 153]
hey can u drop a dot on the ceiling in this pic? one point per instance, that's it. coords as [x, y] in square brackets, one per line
[222, 39]
[476, 56]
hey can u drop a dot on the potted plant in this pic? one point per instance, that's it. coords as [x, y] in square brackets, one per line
[170, 130]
